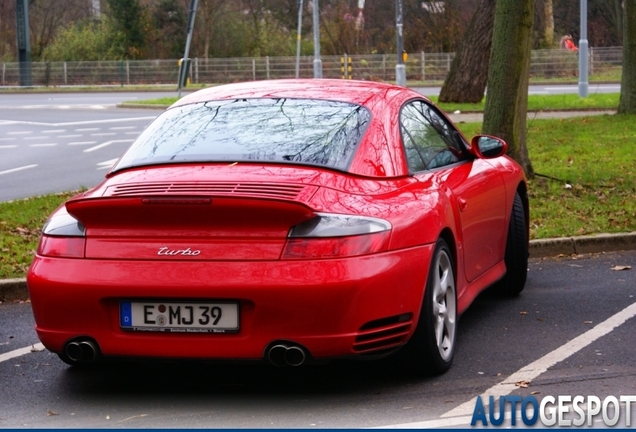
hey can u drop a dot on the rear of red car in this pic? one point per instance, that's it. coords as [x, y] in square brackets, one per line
[223, 277]
[234, 229]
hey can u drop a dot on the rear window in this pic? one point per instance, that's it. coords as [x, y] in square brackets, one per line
[298, 131]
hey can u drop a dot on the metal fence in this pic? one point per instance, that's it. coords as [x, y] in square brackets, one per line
[424, 67]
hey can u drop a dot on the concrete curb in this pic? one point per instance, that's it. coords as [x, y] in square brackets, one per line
[16, 289]
[583, 244]
[13, 289]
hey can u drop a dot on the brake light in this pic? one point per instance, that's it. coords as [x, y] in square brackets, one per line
[332, 236]
[62, 236]
[63, 247]
[335, 246]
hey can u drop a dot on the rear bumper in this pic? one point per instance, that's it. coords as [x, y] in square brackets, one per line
[332, 307]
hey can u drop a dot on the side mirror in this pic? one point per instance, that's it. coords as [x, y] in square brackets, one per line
[487, 147]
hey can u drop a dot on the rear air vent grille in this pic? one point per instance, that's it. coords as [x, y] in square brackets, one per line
[284, 191]
[383, 333]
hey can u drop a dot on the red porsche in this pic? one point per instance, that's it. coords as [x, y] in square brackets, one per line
[287, 221]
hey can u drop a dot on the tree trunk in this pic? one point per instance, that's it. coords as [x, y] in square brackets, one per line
[466, 80]
[618, 21]
[508, 72]
[547, 32]
[627, 103]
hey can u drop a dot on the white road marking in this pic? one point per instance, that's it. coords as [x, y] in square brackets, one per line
[7, 139]
[122, 127]
[81, 143]
[12, 170]
[8, 146]
[36, 138]
[104, 134]
[432, 424]
[536, 368]
[87, 130]
[462, 414]
[61, 107]
[20, 352]
[43, 145]
[70, 136]
[106, 164]
[87, 122]
[105, 144]
[20, 133]
[54, 131]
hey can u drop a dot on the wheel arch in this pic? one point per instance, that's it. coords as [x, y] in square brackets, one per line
[449, 238]
[522, 190]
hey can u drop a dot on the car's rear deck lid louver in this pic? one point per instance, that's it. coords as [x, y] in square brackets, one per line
[383, 333]
[263, 190]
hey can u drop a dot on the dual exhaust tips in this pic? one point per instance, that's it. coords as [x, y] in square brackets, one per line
[81, 351]
[282, 354]
[279, 354]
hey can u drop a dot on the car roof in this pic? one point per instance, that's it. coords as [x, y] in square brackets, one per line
[358, 92]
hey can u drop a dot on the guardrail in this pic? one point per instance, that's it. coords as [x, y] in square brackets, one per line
[425, 67]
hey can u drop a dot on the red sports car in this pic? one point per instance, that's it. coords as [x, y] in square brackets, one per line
[288, 221]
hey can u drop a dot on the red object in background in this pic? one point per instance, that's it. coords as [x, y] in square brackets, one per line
[569, 44]
[289, 221]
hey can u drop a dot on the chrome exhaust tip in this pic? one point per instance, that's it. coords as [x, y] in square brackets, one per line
[73, 351]
[276, 355]
[80, 351]
[286, 354]
[295, 356]
[89, 351]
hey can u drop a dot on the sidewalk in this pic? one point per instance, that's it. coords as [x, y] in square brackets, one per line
[472, 117]
[16, 289]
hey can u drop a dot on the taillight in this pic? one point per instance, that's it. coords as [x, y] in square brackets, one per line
[62, 236]
[332, 236]
[64, 247]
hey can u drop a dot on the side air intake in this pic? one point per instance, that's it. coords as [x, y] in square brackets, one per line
[383, 333]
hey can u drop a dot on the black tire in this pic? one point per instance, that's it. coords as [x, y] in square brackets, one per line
[432, 347]
[516, 257]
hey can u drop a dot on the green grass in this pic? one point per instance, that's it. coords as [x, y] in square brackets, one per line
[20, 225]
[560, 102]
[595, 155]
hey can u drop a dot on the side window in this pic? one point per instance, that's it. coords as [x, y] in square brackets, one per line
[429, 140]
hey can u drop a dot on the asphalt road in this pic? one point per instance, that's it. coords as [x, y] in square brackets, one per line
[60, 142]
[56, 142]
[571, 332]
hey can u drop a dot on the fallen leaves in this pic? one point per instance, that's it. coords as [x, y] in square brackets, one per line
[522, 384]
[50, 413]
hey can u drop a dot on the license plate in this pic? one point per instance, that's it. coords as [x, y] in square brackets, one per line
[179, 317]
